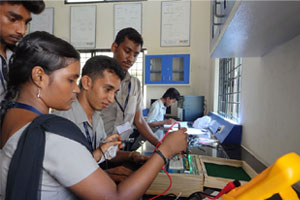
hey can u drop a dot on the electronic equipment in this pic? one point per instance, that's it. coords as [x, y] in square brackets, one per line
[190, 108]
[227, 132]
[183, 165]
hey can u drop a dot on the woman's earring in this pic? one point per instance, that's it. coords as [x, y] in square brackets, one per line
[39, 93]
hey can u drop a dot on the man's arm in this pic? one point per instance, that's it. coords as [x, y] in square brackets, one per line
[144, 128]
[123, 156]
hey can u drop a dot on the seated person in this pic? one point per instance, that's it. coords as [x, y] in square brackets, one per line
[158, 108]
[49, 151]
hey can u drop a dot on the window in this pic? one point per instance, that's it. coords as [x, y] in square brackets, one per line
[230, 71]
[136, 70]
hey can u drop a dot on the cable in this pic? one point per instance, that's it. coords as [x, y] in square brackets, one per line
[226, 189]
[170, 179]
[165, 135]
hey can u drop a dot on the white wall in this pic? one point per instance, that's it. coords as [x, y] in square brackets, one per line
[270, 102]
[198, 50]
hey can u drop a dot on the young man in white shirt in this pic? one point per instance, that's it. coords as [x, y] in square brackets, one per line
[158, 108]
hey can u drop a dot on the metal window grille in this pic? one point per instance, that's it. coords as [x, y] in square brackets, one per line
[230, 71]
[136, 70]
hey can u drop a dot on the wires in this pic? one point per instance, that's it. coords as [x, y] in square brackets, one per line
[163, 168]
[226, 189]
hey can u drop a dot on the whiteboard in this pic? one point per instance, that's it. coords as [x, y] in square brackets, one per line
[43, 21]
[175, 23]
[127, 15]
[83, 27]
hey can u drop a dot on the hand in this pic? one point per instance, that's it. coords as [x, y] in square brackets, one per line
[114, 137]
[137, 158]
[115, 140]
[119, 174]
[170, 121]
[174, 143]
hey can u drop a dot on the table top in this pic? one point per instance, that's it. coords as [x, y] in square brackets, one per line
[208, 145]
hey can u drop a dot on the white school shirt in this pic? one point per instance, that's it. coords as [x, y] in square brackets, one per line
[77, 115]
[66, 162]
[156, 112]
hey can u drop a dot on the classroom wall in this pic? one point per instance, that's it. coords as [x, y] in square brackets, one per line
[270, 102]
[198, 50]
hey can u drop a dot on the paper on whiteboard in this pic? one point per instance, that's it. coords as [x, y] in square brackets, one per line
[175, 23]
[83, 26]
[43, 21]
[127, 15]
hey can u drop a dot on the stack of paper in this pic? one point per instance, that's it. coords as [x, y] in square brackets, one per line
[182, 125]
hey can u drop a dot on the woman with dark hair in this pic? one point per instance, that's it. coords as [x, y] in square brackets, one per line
[45, 156]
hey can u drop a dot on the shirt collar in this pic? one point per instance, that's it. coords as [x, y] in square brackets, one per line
[80, 115]
[127, 77]
[8, 54]
[161, 104]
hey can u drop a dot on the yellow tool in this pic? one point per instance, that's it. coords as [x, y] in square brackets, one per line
[277, 178]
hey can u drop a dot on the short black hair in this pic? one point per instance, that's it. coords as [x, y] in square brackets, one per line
[172, 93]
[131, 34]
[95, 66]
[34, 6]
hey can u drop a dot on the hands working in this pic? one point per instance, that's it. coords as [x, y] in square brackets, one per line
[179, 138]
[109, 148]
[170, 121]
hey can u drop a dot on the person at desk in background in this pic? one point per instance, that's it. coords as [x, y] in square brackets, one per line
[14, 18]
[56, 159]
[127, 108]
[101, 77]
[158, 109]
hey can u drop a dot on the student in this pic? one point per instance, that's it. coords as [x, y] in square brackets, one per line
[14, 18]
[158, 108]
[58, 164]
[127, 108]
[101, 77]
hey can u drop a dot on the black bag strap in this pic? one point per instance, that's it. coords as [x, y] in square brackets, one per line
[25, 170]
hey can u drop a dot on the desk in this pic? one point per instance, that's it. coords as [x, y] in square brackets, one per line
[236, 152]
[213, 150]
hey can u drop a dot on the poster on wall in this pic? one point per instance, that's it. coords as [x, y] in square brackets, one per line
[127, 15]
[175, 23]
[43, 21]
[83, 27]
